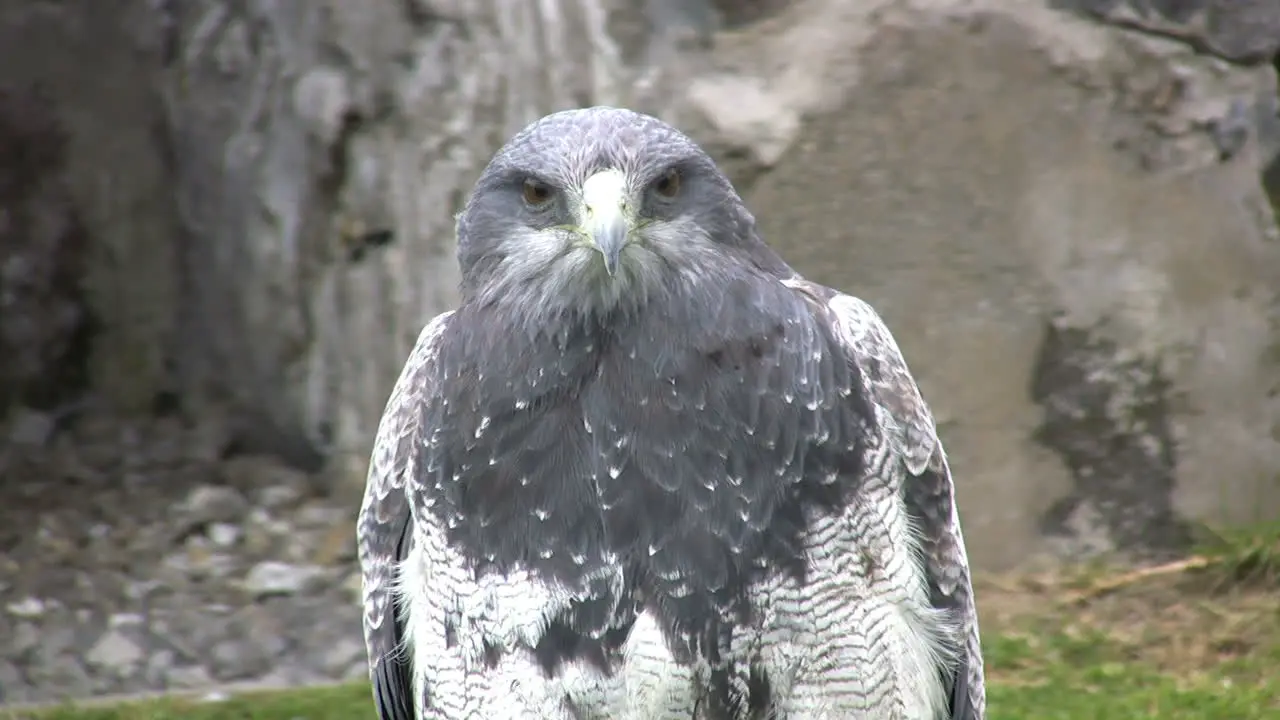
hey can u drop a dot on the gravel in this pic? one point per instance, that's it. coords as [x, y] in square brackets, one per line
[135, 557]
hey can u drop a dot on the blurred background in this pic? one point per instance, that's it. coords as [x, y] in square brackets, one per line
[222, 225]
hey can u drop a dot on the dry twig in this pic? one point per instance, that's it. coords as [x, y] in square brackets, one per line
[1115, 582]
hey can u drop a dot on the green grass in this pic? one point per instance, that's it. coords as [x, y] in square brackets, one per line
[1053, 675]
[330, 703]
[1089, 676]
[1199, 641]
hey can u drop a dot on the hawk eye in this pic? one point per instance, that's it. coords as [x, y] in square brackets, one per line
[668, 186]
[536, 193]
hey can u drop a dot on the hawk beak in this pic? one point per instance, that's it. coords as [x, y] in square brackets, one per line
[604, 196]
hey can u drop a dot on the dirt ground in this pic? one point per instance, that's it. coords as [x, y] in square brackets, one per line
[1197, 618]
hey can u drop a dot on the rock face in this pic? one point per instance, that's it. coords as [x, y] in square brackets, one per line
[45, 326]
[319, 153]
[1244, 30]
[1056, 205]
[1063, 223]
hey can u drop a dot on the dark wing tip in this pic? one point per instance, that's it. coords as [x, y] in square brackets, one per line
[961, 702]
[392, 674]
[392, 688]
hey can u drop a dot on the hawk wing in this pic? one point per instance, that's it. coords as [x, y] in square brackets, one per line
[929, 493]
[383, 530]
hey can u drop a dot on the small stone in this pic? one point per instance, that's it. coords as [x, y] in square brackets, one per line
[335, 546]
[276, 578]
[278, 497]
[123, 620]
[258, 542]
[63, 672]
[300, 546]
[159, 666]
[178, 633]
[31, 428]
[262, 471]
[177, 562]
[358, 670]
[238, 660]
[289, 676]
[224, 534]
[354, 584]
[321, 516]
[27, 608]
[26, 637]
[338, 658]
[57, 640]
[259, 517]
[210, 438]
[272, 645]
[279, 528]
[140, 589]
[188, 677]
[116, 652]
[198, 561]
[13, 689]
[214, 565]
[212, 504]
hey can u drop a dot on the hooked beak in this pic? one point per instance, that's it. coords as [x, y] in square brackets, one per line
[604, 197]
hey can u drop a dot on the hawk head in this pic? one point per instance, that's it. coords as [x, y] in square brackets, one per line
[585, 210]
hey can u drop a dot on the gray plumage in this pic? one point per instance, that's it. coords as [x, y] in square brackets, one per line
[646, 471]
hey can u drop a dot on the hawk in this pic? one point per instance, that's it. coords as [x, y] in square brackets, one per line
[644, 470]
